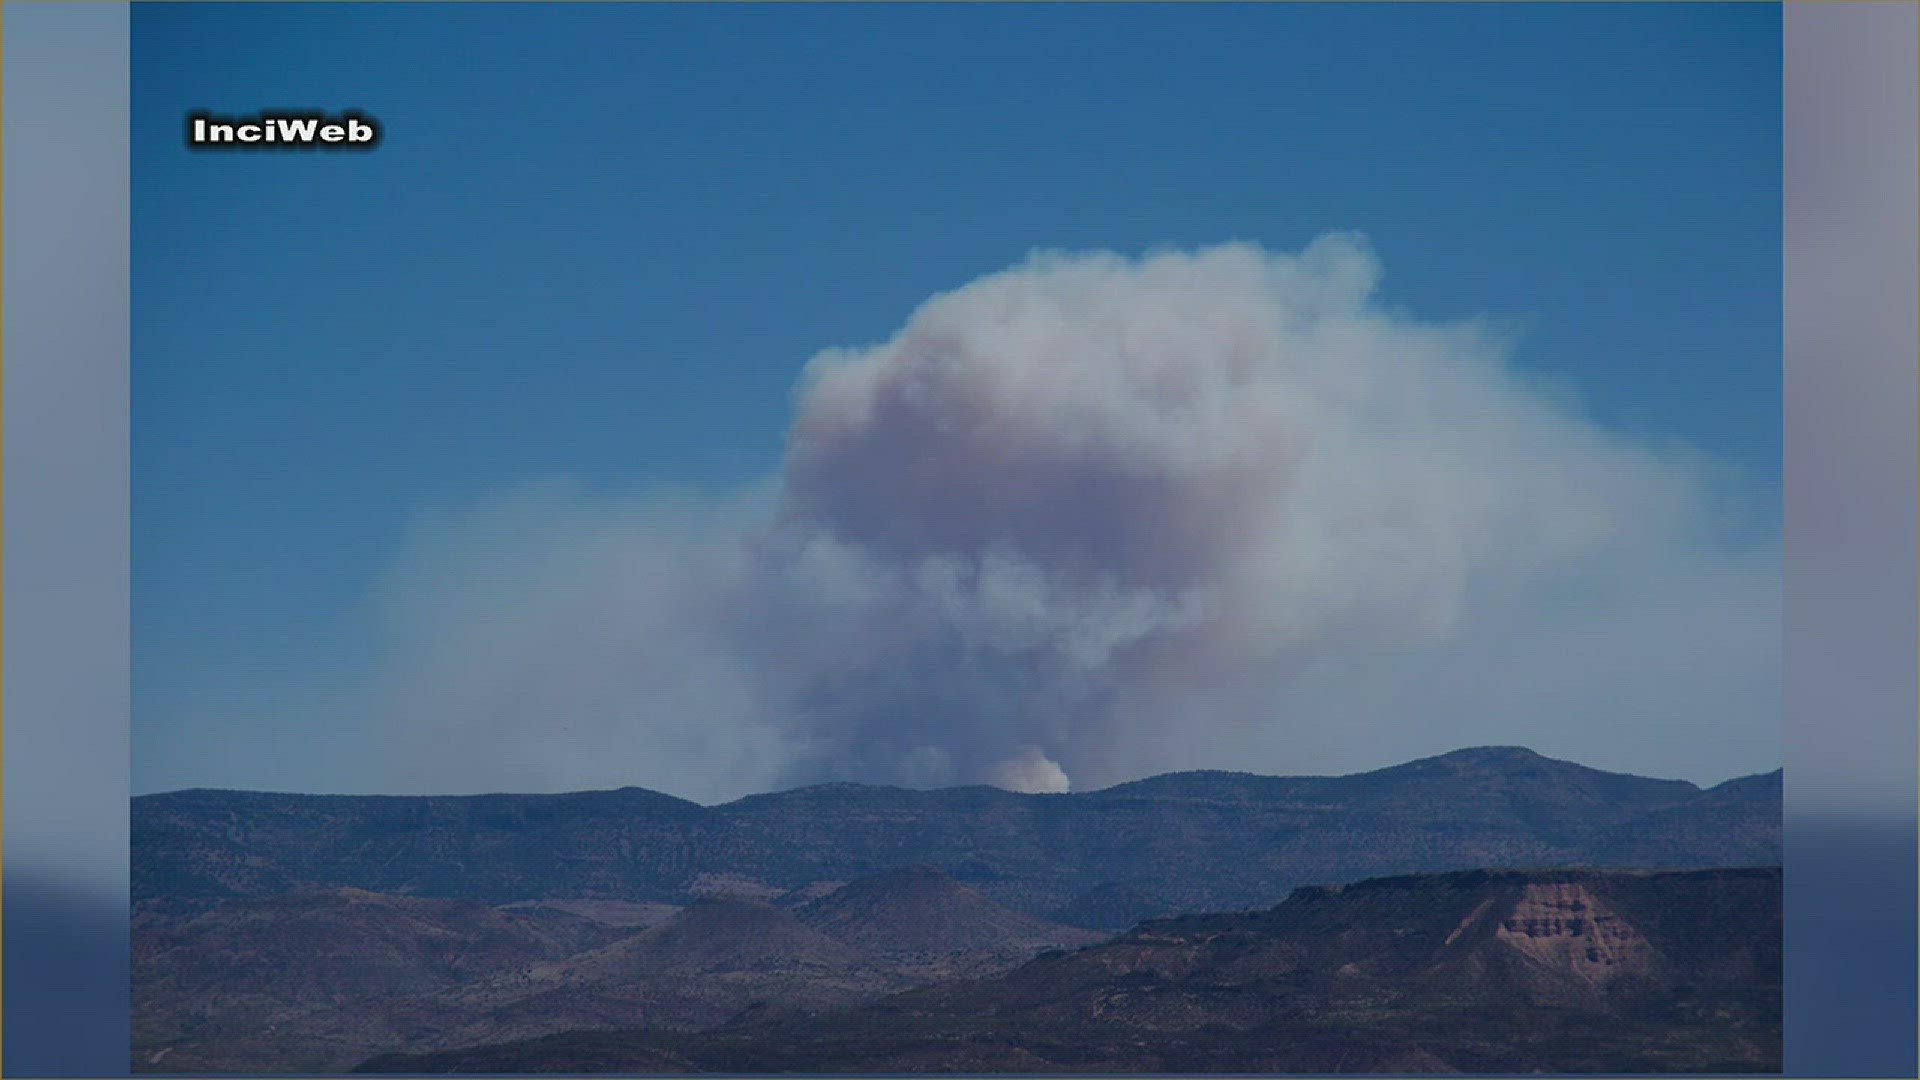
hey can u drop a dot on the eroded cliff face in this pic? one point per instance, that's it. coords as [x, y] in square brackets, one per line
[1564, 927]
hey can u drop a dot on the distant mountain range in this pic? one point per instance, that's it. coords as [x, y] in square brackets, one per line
[853, 928]
[1481, 972]
[1182, 842]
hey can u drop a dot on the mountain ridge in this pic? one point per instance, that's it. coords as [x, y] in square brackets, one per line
[1196, 840]
[1488, 752]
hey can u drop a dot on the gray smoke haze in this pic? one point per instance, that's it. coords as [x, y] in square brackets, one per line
[1092, 518]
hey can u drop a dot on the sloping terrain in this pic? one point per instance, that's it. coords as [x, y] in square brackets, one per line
[299, 982]
[629, 844]
[317, 981]
[1111, 905]
[922, 921]
[1180, 842]
[1502, 971]
[1734, 824]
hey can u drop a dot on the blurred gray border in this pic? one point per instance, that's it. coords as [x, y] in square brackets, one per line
[1851, 197]
[1850, 704]
[65, 591]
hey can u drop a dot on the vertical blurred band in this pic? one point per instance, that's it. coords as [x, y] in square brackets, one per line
[65, 587]
[1850, 708]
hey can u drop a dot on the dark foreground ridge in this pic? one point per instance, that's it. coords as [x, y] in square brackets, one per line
[1181, 842]
[317, 981]
[1483, 971]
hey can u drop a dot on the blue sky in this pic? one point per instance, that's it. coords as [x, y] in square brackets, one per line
[600, 241]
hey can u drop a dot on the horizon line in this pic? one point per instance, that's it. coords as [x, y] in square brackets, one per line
[1482, 749]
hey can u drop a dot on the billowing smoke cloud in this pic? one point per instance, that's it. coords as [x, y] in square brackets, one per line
[1032, 772]
[1092, 518]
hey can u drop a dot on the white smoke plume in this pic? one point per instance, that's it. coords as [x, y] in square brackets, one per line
[1092, 518]
[1031, 772]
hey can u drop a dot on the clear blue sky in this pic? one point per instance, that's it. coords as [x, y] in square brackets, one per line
[599, 241]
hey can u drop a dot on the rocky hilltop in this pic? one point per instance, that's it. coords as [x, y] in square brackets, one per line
[1181, 842]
